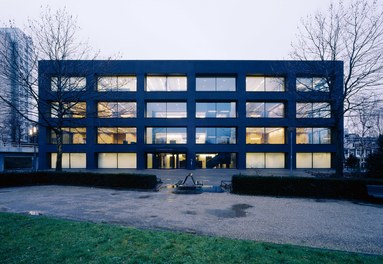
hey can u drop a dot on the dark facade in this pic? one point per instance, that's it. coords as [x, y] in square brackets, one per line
[190, 114]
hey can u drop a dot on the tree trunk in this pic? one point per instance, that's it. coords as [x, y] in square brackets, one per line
[59, 137]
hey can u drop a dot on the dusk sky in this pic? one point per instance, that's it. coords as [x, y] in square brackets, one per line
[174, 29]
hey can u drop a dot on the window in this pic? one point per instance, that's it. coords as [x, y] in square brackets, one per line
[218, 84]
[67, 84]
[166, 110]
[223, 160]
[313, 110]
[166, 83]
[316, 135]
[312, 84]
[117, 109]
[265, 84]
[117, 84]
[216, 135]
[268, 160]
[314, 160]
[116, 135]
[68, 110]
[70, 160]
[264, 110]
[265, 135]
[216, 110]
[166, 135]
[72, 135]
[117, 160]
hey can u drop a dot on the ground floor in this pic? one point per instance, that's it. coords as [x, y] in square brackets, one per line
[175, 159]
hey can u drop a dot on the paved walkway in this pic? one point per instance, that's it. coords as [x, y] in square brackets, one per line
[331, 224]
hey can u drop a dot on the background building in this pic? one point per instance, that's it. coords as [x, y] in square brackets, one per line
[15, 61]
[193, 114]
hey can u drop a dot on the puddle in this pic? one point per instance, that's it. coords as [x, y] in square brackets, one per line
[190, 212]
[236, 210]
[144, 197]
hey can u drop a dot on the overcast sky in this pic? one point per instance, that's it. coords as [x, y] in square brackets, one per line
[180, 29]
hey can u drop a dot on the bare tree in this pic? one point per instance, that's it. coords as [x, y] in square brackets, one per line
[351, 33]
[55, 38]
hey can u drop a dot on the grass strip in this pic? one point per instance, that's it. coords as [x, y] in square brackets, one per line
[36, 239]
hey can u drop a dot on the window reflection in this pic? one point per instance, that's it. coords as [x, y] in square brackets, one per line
[116, 135]
[163, 135]
[166, 83]
[264, 110]
[265, 135]
[72, 135]
[218, 84]
[166, 110]
[216, 135]
[67, 84]
[68, 110]
[117, 83]
[309, 135]
[265, 84]
[117, 109]
[216, 110]
[313, 110]
[312, 84]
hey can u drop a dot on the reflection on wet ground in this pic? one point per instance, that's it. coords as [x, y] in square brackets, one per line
[236, 210]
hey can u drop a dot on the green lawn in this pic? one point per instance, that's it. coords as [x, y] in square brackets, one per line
[35, 239]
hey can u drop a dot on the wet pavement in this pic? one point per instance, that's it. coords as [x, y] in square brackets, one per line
[332, 224]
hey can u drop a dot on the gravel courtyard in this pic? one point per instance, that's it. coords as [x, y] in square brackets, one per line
[331, 224]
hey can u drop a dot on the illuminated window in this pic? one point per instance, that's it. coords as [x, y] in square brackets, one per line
[268, 160]
[316, 135]
[216, 135]
[265, 84]
[218, 84]
[70, 160]
[67, 84]
[265, 135]
[223, 160]
[68, 110]
[117, 160]
[117, 84]
[313, 110]
[312, 84]
[166, 83]
[264, 110]
[314, 160]
[117, 109]
[116, 135]
[166, 135]
[216, 110]
[72, 135]
[166, 110]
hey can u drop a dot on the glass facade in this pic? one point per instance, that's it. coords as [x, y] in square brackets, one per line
[216, 84]
[265, 135]
[216, 110]
[70, 160]
[165, 160]
[268, 160]
[117, 109]
[265, 110]
[265, 84]
[216, 135]
[166, 110]
[116, 135]
[68, 110]
[313, 160]
[72, 135]
[166, 83]
[117, 160]
[223, 160]
[117, 84]
[312, 84]
[313, 135]
[313, 110]
[166, 135]
[67, 84]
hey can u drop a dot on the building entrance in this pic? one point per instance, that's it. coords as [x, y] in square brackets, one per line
[166, 160]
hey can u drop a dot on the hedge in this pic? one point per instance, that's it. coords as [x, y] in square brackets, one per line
[303, 187]
[108, 180]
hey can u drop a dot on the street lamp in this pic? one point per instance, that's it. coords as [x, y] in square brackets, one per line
[33, 135]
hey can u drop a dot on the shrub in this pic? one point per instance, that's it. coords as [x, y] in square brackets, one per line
[136, 181]
[302, 187]
[374, 162]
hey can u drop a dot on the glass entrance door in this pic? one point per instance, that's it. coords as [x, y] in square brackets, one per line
[165, 160]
